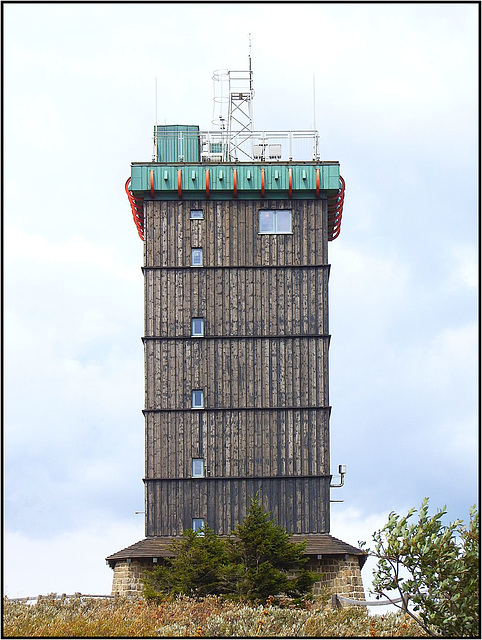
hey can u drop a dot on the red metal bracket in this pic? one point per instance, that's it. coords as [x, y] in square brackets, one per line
[335, 212]
[137, 208]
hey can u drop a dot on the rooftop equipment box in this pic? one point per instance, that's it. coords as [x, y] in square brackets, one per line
[177, 143]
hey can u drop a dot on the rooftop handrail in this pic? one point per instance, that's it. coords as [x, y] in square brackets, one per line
[305, 133]
[244, 145]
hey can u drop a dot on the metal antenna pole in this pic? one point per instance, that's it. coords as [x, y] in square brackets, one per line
[250, 37]
[154, 152]
[250, 105]
[315, 149]
[314, 105]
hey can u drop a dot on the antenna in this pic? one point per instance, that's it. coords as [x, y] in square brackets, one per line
[314, 103]
[155, 91]
[316, 151]
[232, 114]
[154, 151]
[250, 37]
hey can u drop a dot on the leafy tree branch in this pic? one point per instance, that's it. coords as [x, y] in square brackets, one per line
[442, 565]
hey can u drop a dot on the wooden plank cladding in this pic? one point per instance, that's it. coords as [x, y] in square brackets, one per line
[248, 372]
[243, 393]
[237, 443]
[228, 233]
[263, 301]
[294, 503]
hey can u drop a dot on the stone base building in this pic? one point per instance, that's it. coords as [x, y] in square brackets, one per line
[338, 563]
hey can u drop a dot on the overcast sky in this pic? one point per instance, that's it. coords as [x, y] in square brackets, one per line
[396, 104]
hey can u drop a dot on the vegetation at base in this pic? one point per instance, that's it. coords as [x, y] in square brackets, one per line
[197, 568]
[181, 616]
[251, 564]
[261, 554]
[441, 562]
[442, 565]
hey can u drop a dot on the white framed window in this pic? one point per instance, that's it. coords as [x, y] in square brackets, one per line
[197, 525]
[198, 467]
[197, 399]
[197, 327]
[275, 221]
[196, 214]
[196, 257]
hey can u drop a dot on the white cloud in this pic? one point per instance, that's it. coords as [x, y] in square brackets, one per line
[464, 268]
[35, 122]
[74, 251]
[373, 284]
[445, 366]
[352, 525]
[457, 440]
[68, 562]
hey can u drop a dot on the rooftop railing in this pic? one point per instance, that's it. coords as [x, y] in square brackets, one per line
[173, 145]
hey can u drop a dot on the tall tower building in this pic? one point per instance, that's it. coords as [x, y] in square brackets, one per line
[236, 225]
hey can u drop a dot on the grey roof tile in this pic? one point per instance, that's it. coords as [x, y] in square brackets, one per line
[317, 544]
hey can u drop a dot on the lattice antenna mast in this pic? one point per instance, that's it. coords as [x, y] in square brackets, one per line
[240, 118]
[233, 110]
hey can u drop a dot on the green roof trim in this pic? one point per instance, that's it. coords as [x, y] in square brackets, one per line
[239, 180]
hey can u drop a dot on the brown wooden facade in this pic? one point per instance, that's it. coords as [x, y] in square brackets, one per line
[262, 365]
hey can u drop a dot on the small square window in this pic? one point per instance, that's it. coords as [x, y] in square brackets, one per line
[197, 327]
[197, 214]
[198, 468]
[196, 257]
[198, 399]
[197, 525]
[275, 221]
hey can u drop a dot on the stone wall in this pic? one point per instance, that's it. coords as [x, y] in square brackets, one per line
[127, 577]
[339, 574]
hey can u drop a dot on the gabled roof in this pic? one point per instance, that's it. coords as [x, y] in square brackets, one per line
[317, 544]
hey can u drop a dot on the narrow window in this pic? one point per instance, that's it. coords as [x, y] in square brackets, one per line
[198, 399]
[283, 221]
[197, 327]
[198, 467]
[196, 257]
[275, 221]
[196, 214]
[266, 221]
[197, 525]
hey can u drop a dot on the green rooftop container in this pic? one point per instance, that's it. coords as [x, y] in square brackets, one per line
[177, 143]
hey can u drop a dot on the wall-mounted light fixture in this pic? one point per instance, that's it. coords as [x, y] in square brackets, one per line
[341, 471]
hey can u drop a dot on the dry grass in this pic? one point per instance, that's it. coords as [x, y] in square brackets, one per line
[185, 617]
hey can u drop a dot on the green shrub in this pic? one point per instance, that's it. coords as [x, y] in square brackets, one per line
[261, 556]
[252, 564]
[197, 568]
